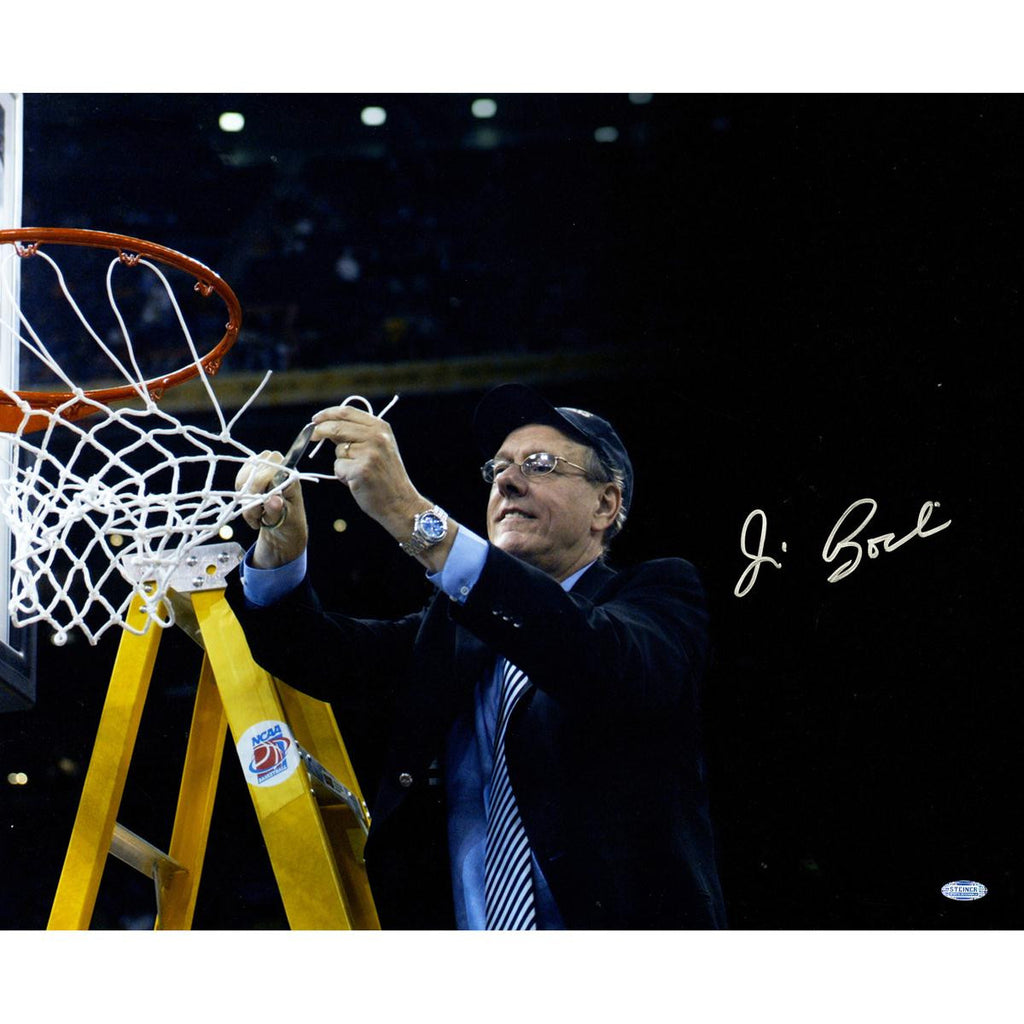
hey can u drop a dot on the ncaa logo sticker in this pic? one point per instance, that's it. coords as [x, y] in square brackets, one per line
[268, 752]
[964, 890]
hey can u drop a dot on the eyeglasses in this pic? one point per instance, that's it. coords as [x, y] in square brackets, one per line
[537, 464]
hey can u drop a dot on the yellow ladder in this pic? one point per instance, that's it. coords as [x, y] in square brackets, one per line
[307, 800]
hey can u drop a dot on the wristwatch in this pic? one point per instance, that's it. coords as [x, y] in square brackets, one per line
[428, 528]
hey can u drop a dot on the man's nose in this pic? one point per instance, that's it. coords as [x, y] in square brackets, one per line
[510, 480]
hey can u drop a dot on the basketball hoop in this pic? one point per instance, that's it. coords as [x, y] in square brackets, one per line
[104, 510]
[29, 243]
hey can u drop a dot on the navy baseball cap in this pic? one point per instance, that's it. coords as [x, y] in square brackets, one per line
[510, 406]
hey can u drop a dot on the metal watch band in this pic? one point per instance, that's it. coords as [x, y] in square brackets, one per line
[418, 542]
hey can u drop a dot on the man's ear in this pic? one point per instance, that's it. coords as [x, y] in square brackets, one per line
[609, 501]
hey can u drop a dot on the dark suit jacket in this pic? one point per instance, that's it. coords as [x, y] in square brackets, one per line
[603, 748]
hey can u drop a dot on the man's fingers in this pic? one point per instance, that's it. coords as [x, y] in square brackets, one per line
[343, 413]
[271, 511]
[257, 476]
[343, 423]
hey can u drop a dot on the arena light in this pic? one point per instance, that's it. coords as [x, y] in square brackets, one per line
[231, 121]
[484, 108]
[347, 267]
[374, 117]
[608, 133]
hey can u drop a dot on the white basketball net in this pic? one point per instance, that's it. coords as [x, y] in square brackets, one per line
[110, 506]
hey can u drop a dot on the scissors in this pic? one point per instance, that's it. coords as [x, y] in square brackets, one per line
[294, 453]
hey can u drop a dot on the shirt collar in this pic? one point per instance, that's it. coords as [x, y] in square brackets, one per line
[569, 581]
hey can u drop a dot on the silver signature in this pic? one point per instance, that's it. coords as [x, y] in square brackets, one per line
[846, 540]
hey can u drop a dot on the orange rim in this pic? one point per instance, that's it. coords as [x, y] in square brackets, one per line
[129, 250]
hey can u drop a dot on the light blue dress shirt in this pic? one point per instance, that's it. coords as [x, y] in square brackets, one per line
[264, 587]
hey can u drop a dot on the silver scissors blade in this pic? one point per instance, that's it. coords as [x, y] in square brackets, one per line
[294, 453]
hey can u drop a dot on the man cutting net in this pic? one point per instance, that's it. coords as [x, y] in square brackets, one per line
[540, 718]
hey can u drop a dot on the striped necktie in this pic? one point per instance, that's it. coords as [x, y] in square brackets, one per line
[508, 883]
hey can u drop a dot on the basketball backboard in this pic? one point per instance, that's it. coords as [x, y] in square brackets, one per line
[17, 646]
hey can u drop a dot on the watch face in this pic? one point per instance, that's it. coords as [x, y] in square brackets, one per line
[432, 527]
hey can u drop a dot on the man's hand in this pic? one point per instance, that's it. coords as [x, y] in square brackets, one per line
[368, 463]
[281, 519]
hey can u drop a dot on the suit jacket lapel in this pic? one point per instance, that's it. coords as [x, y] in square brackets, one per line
[473, 658]
[591, 582]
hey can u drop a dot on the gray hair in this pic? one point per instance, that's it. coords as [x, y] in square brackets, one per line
[603, 472]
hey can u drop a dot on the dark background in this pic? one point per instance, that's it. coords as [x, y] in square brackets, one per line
[783, 302]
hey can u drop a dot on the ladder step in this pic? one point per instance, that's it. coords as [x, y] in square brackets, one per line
[328, 789]
[134, 851]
